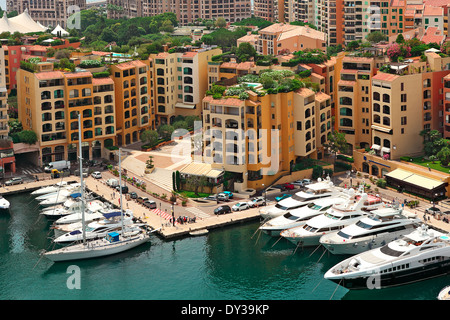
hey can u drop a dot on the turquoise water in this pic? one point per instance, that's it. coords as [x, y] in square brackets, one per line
[230, 263]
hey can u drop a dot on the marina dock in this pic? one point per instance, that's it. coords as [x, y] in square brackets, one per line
[156, 219]
[159, 219]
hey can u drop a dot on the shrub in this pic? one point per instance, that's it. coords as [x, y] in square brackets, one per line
[90, 64]
[381, 183]
[103, 74]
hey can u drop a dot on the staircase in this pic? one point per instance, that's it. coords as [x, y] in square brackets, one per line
[162, 178]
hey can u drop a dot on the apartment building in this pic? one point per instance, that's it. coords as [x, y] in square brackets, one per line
[264, 9]
[180, 82]
[260, 138]
[47, 12]
[134, 104]
[282, 37]
[187, 11]
[50, 104]
[4, 130]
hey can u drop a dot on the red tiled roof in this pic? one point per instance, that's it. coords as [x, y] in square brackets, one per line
[433, 34]
[102, 81]
[49, 75]
[385, 76]
[225, 101]
[78, 74]
[130, 64]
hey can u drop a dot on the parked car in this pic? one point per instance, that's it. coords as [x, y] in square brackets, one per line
[302, 182]
[280, 186]
[222, 209]
[96, 175]
[433, 210]
[124, 189]
[284, 196]
[228, 193]
[257, 202]
[240, 206]
[211, 197]
[150, 204]
[223, 197]
[289, 186]
[14, 181]
[133, 195]
[112, 182]
[141, 200]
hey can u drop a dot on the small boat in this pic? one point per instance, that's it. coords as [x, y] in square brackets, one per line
[70, 206]
[444, 294]
[4, 204]
[58, 199]
[198, 233]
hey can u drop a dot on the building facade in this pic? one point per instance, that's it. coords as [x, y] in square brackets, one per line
[187, 11]
[48, 12]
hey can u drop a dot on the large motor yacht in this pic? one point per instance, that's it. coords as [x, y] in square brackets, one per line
[298, 217]
[336, 218]
[380, 227]
[319, 190]
[420, 255]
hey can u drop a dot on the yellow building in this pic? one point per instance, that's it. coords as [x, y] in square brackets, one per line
[49, 103]
[180, 82]
[260, 138]
[133, 99]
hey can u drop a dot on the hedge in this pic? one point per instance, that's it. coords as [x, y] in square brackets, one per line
[345, 158]
[103, 74]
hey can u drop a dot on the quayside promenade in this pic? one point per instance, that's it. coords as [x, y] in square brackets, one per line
[159, 219]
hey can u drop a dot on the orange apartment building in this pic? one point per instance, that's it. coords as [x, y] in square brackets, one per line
[135, 111]
[50, 103]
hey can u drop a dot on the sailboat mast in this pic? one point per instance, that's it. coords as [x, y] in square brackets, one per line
[83, 227]
[120, 187]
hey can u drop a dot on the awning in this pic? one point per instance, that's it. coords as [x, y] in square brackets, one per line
[376, 147]
[201, 169]
[417, 180]
[386, 150]
[184, 106]
[382, 129]
[111, 214]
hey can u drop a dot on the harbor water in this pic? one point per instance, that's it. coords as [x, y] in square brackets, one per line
[231, 263]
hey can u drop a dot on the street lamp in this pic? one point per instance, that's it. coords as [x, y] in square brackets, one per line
[265, 195]
[173, 214]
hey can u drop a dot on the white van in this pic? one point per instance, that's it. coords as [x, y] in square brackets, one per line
[112, 182]
[58, 165]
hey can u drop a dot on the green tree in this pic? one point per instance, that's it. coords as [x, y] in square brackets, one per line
[375, 37]
[400, 39]
[28, 137]
[245, 51]
[150, 137]
[165, 131]
[444, 156]
[336, 143]
[167, 26]
[221, 22]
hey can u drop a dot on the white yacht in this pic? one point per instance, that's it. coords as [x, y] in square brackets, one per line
[380, 227]
[4, 204]
[420, 255]
[101, 228]
[59, 198]
[444, 294]
[113, 243]
[49, 189]
[63, 190]
[71, 206]
[319, 190]
[336, 218]
[298, 217]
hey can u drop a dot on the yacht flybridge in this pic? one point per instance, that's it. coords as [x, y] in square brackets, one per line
[420, 255]
[319, 190]
[380, 227]
[336, 218]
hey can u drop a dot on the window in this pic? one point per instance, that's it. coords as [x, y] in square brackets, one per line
[299, 125]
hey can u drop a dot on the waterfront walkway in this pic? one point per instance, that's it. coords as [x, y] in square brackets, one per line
[160, 218]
